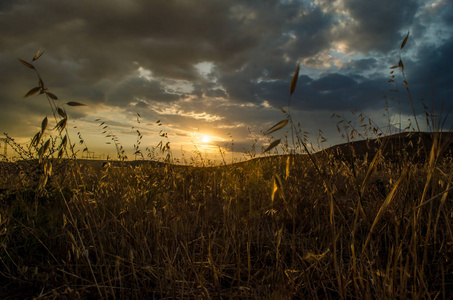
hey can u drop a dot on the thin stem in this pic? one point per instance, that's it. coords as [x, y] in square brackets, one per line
[318, 170]
[293, 150]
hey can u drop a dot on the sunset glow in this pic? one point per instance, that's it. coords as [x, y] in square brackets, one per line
[205, 139]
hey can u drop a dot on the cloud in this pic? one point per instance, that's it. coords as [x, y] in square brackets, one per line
[375, 25]
[134, 89]
[360, 65]
[219, 65]
[332, 82]
[216, 93]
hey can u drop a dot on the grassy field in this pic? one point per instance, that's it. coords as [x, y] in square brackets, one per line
[367, 226]
[370, 219]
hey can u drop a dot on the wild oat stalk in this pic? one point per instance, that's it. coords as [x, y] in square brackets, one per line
[137, 150]
[300, 140]
[120, 152]
[59, 113]
[46, 149]
[406, 84]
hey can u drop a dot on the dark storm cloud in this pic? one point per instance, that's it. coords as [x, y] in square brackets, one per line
[439, 11]
[87, 44]
[95, 51]
[376, 25]
[312, 33]
[431, 65]
[332, 82]
[331, 93]
[239, 87]
[360, 65]
[447, 17]
[137, 88]
[216, 93]
[430, 77]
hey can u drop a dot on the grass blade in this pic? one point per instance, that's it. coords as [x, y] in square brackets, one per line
[61, 125]
[405, 40]
[292, 86]
[38, 55]
[272, 145]
[43, 125]
[401, 65]
[36, 139]
[26, 63]
[52, 96]
[276, 127]
[43, 149]
[72, 103]
[32, 91]
[277, 187]
[62, 113]
[384, 205]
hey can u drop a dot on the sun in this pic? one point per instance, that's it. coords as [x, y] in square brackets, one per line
[205, 139]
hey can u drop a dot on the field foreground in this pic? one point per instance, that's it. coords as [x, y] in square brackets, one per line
[365, 226]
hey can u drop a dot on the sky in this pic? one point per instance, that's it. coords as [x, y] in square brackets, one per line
[215, 73]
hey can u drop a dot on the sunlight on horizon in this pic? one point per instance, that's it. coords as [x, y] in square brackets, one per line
[205, 139]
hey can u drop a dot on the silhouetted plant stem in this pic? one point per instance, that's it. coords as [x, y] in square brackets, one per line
[318, 170]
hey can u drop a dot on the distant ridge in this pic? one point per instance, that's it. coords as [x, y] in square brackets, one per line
[415, 144]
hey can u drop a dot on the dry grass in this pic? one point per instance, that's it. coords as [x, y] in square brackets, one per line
[369, 220]
[164, 231]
